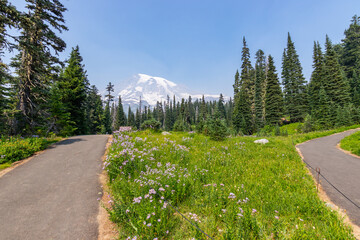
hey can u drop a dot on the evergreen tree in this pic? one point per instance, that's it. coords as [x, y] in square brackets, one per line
[168, 116]
[113, 113]
[316, 81]
[9, 18]
[203, 109]
[144, 115]
[243, 118]
[137, 119]
[294, 84]
[35, 65]
[221, 107]
[95, 110]
[273, 95]
[131, 118]
[236, 85]
[4, 97]
[73, 86]
[335, 84]
[260, 67]
[60, 118]
[351, 58]
[106, 129]
[322, 111]
[191, 110]
[110, 89]
[230, 109]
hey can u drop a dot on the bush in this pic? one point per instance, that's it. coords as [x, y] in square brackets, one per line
[15, 149]
[308, 124]
[277, 130]
[217, 129]
[181, 126]
[151, 124]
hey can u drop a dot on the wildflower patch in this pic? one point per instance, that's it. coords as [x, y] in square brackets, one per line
[230, 190]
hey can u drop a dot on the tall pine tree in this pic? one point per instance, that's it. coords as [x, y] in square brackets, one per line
[73, 86]
[273, 95]
[260, 67]
[95, 110]
[120, 119]
[37, 44]
[294, 84]
[335, 84]
[351, 58]
[242, 117]
[316, 81]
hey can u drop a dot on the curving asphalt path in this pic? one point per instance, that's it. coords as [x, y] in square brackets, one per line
[341, 169]
[54, 195]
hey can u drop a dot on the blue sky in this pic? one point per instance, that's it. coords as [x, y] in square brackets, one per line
[196, 43]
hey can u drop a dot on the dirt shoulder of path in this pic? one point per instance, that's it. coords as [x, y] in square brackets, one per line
[107, 229]
[324, 197]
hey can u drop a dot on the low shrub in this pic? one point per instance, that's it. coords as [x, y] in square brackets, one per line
[13, 149]
[151, 124]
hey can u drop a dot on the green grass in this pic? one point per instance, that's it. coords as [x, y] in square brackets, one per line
[274, 196]
[5, 165]
[291, 128]
[351, 143]
[13, 149]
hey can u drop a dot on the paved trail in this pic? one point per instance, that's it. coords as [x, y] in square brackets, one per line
[54, 196]
[341, 169]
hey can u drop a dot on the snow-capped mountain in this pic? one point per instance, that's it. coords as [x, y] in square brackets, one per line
[152, 89]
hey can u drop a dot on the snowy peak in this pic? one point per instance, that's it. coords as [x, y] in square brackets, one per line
[153, 89]
[143, 78]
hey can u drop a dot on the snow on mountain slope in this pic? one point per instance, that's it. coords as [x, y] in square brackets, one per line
[152, 89]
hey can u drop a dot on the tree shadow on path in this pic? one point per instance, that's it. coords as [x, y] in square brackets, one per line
[69, 141]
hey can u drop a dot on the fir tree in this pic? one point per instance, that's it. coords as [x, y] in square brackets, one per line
[236, 85]
[316, 81]
[107, 120]
[230, 108]
[95, 110]
[273, 95]
[35, 66]
[243, 118]
[110, 89]
[131, 118]
[9, 18]
[260, 67]
[221, 107]
[203, 109]
[168, 116]
[73, 87]
[137, 119]
[191, 110]
[322, 112]
[294, 83]
[113, 113]
[336, 87]
[351, 58]
[60, 118]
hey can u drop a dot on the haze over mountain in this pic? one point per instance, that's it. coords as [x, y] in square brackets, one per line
[152, 89]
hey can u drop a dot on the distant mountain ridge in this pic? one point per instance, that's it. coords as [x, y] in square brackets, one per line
[153, 89]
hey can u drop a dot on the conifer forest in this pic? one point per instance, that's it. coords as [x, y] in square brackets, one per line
[44, 95]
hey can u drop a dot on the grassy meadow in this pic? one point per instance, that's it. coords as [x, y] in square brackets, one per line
[351, 143]
[13, 149]
[234, 189]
